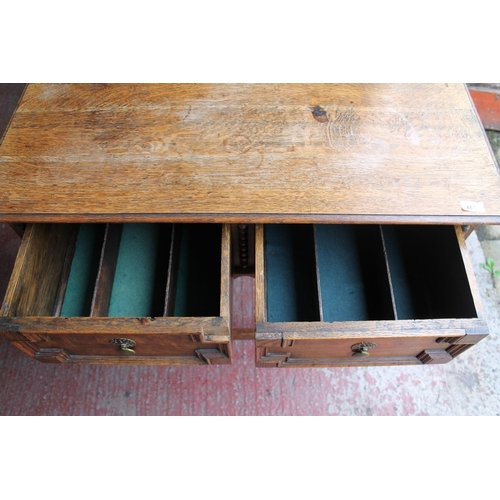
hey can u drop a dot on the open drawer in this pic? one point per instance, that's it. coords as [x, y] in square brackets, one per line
[121, 293]
[353, 295]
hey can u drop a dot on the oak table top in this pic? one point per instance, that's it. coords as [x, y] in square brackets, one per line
[248, 153]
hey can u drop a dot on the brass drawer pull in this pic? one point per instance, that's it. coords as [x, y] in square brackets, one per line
[125, 345]
[361, 350]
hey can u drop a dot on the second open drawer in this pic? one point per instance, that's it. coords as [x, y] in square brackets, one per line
[121, 293]
[348, 295]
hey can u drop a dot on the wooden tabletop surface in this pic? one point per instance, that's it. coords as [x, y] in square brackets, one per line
[280, 152]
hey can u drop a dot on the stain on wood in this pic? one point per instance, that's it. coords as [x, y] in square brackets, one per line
[320, 114]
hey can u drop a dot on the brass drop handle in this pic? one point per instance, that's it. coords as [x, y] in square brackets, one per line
[361, 350]
[125, 345]
[362, 353]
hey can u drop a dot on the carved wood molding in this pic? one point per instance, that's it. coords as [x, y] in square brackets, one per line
[52, 355]
[461, 344]
[197, 337]
[26, 347]
[36, 337]
[213, 356]
[457, 349]
[276, 359]
[434, 357]
[448, 340]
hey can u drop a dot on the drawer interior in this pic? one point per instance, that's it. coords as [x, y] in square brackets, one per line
[120, 270]
[427, 273]
[364, 272]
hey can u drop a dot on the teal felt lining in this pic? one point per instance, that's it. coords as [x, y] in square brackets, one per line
[133, 286]
[84, 267]
[353, 274]
[139, 285]
[290, 273]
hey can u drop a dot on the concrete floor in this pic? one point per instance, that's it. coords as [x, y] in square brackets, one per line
[469, 385]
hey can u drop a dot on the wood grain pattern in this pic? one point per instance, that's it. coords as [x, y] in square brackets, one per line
[260, 278]
[345, 362]
[238, 153]
[36, 276]
[106, 272]
[65, 272]
[156, 349]
[439, 328]
[88, 338]
[214, 329]
[304, 351]
[326, 344]
[131, 360]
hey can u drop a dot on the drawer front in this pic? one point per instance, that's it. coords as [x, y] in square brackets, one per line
[121, 340]
[165, 289]
[363, 295]
[137, 350]
[365, 344]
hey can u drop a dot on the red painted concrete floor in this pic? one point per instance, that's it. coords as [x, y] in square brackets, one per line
[468, 385]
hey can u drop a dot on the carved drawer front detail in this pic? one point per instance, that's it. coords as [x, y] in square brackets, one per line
[121, 293]
[52, 355]
[434, 356]
[216, 356]
[358, 295]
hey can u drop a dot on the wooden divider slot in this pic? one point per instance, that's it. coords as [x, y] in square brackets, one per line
[106, 272]
[84, 270]
[172, 271]
[66, 269]
[260, 284]
[353, 272]
[144, 270]
[318, 276]
[427, 273]
[388, 267]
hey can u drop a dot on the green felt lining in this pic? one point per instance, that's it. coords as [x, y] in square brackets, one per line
[290, 273]
[133, 286]
[426, 268]
[139, 285]
[353, 273]
[84, 267]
